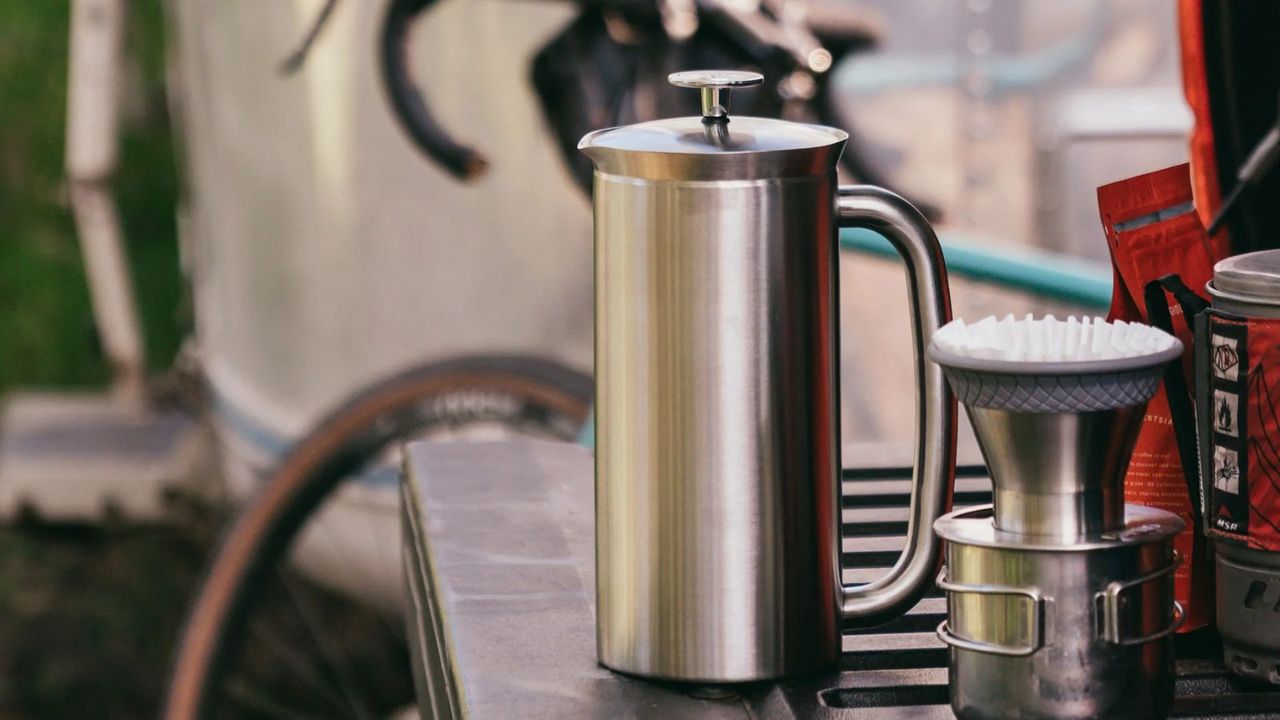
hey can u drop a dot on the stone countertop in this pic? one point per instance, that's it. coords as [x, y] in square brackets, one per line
[508, 540]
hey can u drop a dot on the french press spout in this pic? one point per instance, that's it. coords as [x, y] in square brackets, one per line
[717, 404]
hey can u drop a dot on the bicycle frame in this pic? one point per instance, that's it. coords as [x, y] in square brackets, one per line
[1047, 275]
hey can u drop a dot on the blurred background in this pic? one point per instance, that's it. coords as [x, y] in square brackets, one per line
[215, 227]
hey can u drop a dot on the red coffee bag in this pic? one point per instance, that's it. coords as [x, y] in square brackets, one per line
[1153, 230]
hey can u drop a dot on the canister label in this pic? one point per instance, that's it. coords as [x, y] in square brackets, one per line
[1244, 466]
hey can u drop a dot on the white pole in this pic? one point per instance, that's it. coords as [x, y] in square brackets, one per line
[93, 109]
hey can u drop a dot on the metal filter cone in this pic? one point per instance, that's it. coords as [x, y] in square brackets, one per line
[1056, 436]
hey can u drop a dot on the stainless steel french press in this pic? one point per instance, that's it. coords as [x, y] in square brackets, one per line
[717, 414]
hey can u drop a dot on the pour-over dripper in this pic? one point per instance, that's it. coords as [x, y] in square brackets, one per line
[1057, 435]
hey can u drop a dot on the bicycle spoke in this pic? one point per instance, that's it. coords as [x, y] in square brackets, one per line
[330, 654]
[249, 697]
[296, 661]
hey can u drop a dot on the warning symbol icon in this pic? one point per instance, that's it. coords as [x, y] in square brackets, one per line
[1226, 470]
[1226, 361]
[1225, 413]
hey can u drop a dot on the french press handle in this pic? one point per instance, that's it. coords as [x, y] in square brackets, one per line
[875, 208]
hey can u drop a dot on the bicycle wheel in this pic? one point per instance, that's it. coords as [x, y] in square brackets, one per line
[262, 639]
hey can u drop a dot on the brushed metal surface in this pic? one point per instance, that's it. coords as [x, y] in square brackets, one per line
[934, 463]
[1072, 670]
[1248, 279]
[717, 424]
[1057, 474]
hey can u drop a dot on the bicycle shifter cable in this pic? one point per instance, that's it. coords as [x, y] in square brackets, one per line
[1255, 168]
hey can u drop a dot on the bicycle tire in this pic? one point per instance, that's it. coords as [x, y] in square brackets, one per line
[348, 439]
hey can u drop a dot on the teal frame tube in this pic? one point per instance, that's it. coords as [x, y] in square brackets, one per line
[1048, 275]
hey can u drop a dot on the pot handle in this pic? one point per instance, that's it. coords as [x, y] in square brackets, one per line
[935, 452]
[1111, 602]
[1034, 620]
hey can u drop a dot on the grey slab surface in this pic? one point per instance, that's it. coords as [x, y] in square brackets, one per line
[509, 545]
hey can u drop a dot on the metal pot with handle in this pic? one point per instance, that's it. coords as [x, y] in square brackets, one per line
[717, 416]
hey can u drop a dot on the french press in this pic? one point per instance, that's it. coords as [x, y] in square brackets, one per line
[717, 413]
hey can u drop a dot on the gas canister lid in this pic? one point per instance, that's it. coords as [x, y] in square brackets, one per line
[1252, 277]
[715, 145]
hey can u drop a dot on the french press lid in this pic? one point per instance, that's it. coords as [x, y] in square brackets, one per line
[715, 145]
[1253, 277]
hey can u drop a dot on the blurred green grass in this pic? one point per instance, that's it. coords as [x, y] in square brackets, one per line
[47, 337]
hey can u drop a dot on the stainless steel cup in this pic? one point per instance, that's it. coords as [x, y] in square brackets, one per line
[717, 425]
[1062, 629]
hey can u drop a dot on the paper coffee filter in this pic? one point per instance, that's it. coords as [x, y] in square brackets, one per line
[1051, 340]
